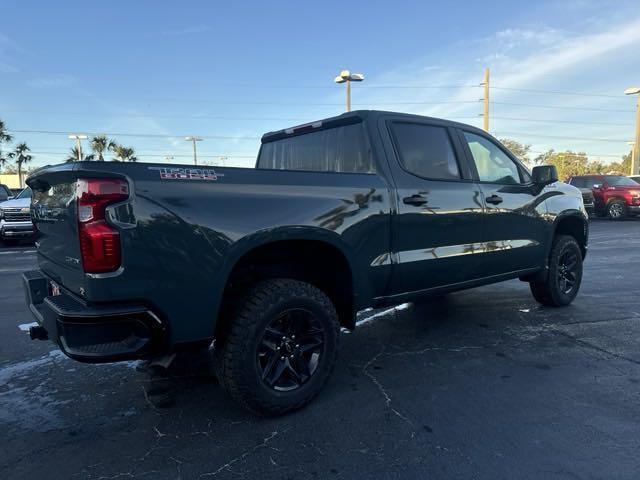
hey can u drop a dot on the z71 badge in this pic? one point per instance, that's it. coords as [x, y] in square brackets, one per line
[169, 173]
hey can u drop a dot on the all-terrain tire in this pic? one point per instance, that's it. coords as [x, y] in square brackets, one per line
[237, 363]
[550, 292]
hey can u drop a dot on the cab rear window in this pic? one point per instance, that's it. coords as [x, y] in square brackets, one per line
[342, 149]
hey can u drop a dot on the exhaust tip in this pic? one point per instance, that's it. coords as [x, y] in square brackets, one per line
[38, 333]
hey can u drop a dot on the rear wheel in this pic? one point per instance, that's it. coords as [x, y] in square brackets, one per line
[280, 348]
[565, 274]
[617, 210]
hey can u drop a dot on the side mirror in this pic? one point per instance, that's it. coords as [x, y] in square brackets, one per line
[544, 174]
[597, 186]
[10, 197]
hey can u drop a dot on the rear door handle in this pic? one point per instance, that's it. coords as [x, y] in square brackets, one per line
[494, 199]
[415, 200]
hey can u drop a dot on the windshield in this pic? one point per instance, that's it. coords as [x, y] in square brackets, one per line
[619, 181]
[26, 193]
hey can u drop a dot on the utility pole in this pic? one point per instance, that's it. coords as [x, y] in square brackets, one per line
[195, 154]
[347, 77]
[78, 138]
[485, 116]
[635, 153]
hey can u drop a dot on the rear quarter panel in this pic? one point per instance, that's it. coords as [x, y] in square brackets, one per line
[181, 237]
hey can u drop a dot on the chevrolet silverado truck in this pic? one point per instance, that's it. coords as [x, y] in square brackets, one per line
[15, 217]
[615, 196]
[366, 209]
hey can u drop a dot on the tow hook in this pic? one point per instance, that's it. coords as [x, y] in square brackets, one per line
[38, 333]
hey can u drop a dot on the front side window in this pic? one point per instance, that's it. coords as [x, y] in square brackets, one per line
[339, 149]
[492, 163]
[426, 151]
[619, 181]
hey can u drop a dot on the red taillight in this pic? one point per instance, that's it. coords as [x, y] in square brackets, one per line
[99, 241]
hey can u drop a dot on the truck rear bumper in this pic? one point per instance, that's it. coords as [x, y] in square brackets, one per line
[92, 333]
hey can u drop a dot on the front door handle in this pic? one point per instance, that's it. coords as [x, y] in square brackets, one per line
[494, 199]
[415, 200]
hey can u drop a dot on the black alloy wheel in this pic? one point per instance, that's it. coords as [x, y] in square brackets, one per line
[290, 349]
[567, 271]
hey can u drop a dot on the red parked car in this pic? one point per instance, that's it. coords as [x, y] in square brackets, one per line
[616, 196]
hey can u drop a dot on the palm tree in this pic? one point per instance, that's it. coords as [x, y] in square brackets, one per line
[123, 154]
[73, 156]
[4, 138]
[99, 144]
[22, 157]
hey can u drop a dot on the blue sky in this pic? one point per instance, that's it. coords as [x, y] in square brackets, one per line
[238, 69]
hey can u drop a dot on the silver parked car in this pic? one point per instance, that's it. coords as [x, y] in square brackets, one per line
[15, 217]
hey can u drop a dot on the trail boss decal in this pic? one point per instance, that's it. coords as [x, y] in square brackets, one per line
[169, 173]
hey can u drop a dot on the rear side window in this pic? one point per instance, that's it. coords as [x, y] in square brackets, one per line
[426, 151]
[340, 149]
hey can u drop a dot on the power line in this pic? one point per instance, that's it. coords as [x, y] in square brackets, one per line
[563, 107]
[578, 122]
[148, 135]
[559, 92]
[527, 134]
[612, 155]
[142, 154]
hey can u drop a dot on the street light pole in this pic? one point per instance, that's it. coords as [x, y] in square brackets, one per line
[348, 82]
[78, 137]
[635, 153]
[195, 153]
[347, 77]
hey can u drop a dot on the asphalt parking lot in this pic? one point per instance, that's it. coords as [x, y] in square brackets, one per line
[480, 384]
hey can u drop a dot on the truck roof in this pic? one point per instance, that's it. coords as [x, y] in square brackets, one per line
[349, 118]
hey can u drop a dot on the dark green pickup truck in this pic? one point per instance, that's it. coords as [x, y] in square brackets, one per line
[366, 209]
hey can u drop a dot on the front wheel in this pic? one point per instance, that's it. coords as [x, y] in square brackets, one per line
[565, 274]
[280, 348]
[617, 210]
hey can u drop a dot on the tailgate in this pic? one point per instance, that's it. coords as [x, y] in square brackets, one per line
[55, 217]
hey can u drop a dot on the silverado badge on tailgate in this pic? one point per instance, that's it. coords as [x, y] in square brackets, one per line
[171, 173]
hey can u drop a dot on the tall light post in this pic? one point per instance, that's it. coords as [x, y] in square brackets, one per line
[635, 155]
[347, 77]
[195, 154]
[78, 137]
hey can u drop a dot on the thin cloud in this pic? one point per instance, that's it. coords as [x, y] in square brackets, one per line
[6, 47]
[52, 81]
[190, 30]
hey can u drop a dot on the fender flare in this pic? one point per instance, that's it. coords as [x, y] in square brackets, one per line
[265, 237]
[577, 214]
